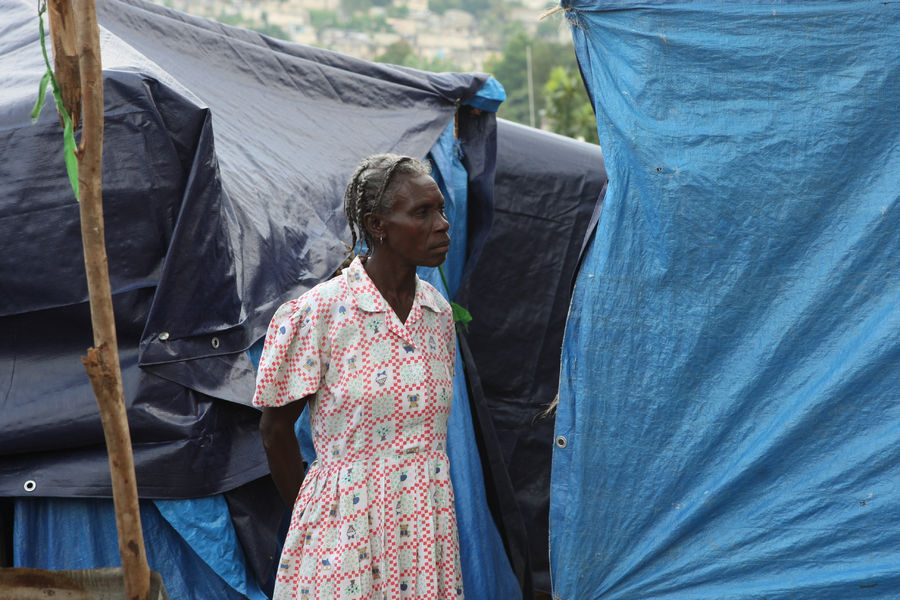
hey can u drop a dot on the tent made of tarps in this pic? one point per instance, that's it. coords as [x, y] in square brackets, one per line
[225, 158]
[546, 191]
[729, 414]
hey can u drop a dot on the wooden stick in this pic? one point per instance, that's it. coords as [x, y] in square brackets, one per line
[102, 362]
[65, 57]
[107, 383]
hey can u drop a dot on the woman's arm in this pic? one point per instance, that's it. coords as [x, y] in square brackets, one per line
[282, 450]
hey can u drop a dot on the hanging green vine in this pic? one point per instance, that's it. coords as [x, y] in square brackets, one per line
[68, 127]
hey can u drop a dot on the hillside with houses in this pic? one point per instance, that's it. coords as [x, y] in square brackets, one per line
[436, 33]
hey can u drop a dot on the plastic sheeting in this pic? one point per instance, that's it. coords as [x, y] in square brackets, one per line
[546, 189]
[207, 232]
[486, 569]
[226, 155]
[728, 419]
[50, 533]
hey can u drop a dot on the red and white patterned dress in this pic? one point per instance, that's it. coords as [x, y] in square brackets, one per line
[374, 517]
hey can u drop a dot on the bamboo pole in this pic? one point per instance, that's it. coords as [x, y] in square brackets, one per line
[102, 361]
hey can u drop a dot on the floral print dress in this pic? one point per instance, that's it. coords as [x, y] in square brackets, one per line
[374, 517]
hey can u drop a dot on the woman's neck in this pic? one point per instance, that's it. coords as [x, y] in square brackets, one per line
[397, 283]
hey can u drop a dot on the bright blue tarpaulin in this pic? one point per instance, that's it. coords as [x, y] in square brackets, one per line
[729, 418]
[80, 533]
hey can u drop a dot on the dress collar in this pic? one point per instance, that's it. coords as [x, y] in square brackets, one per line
[369, 299]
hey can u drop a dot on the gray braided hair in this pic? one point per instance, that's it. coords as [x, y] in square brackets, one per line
[371, 190]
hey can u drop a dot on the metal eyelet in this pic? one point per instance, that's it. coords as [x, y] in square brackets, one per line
[561, 441]
[30, 485]
[215, 342]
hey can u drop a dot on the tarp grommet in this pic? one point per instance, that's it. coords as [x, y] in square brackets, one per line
[30, 485]
[561, 441]
[215, 342]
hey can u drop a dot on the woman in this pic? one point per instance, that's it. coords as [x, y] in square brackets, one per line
[372, 353]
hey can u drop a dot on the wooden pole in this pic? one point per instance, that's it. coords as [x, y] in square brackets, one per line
[102, 361]
[65, 57]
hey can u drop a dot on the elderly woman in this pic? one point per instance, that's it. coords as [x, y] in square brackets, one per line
[371, 352]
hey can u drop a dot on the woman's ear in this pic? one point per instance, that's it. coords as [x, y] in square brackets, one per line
[374, 225]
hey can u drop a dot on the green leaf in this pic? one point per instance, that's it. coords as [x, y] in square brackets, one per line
[68, 128]
[69, 150]
[461, 315]
[42, 93]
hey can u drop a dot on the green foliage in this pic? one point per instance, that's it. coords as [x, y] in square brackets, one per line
[476, 7]
[356, 21]
[401, 53]
[556, 108]
[548, 29]
[511, 70]
[397, 11]
[396, 54]
[264, 27]
[568, 111]
[368, 23]
[233, 20]
[434, 65]
[68, 127]
[275, 31]
[322, 19]
[349, 7]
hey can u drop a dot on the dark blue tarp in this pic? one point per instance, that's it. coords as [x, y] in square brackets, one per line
[729, 423]
[225, 158]
[546, 189]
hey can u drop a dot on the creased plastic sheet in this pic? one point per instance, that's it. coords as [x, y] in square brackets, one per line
[545, 191]
[729, 423]
[486, 569]
[51, 533]
[226, 155]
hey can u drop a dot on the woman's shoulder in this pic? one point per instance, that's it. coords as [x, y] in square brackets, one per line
[430, 297]
[320, 298]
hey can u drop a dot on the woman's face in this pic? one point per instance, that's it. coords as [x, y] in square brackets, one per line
[415, 229]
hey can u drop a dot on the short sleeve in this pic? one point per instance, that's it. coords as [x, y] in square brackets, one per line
[290, 367]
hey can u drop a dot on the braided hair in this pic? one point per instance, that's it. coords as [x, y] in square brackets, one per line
[371, 190]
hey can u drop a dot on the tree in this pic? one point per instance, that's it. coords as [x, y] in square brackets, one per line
[557, 109]
[511, 70]
[321, 18]
[401, 53]
[395, 54]
[476, 7]
[568, 111]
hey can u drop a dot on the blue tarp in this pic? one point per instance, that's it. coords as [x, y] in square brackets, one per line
[546, 190]
[198, 557]
[729, 423]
